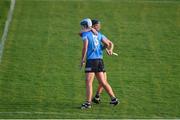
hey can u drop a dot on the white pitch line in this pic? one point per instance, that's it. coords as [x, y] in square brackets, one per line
[6, 28]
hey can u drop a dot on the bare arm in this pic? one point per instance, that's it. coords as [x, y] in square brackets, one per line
[109, 46]
[84, 51]
[90, 29]
[94, 31]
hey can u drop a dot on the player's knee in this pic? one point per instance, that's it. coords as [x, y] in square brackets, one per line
[104, 83]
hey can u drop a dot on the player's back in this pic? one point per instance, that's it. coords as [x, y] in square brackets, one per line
[94, 45]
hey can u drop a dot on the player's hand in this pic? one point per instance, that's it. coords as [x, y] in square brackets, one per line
[82, 63]
[109, 52]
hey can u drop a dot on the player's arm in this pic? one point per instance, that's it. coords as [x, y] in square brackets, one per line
[90, 29]
[108, 45]
[94, 31]
[84, 52]
[83, 30]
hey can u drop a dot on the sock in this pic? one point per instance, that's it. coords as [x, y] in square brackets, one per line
[89, 103]
[113, 98]
[97, 95]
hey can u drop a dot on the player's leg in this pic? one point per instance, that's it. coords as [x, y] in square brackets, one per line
[100, 87]
[89, 90]
[89, 86]
[101, 78]
[101, 69]
[96, 98]
[104, 83]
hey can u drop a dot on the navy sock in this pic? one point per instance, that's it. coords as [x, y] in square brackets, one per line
[113, 98]
[97, 95]
[89, 103]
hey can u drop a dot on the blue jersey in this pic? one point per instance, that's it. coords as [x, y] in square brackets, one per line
[94, 50]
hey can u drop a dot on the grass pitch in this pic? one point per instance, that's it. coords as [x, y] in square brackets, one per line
[40, 76]
[4, 7]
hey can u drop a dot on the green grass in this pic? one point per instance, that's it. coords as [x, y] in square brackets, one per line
[4, 8]
[40, 67]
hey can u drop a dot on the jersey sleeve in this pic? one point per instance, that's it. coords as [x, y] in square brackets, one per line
[84, 36]
[102, 36]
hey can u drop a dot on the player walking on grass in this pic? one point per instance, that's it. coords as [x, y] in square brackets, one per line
[97, 26]
[92, 55]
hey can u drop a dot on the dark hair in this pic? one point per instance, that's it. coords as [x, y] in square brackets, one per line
[95, 21]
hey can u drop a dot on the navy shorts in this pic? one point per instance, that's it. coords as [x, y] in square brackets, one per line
[94, 65]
